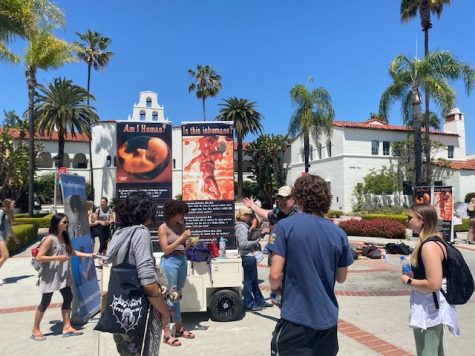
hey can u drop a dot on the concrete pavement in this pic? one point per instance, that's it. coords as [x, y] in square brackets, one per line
[373, 317]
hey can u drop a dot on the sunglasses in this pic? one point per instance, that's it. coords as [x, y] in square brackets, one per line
[65, 222]
[284, 199]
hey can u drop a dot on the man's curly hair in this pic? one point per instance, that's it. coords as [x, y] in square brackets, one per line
[136, 209]
[173, 207]
[312, 194]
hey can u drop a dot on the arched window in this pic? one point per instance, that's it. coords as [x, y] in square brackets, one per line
[154, 116]
[310, 153]
[148, 103]
[45, 160]
[320, 151]
[66, 161]
[80, 161]
[302, 155]
[142, 115]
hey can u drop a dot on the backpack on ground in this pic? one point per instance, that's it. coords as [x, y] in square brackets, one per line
[460, 285]
[398, 249]
[372, 252]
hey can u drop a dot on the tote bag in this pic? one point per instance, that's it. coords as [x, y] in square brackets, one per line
[127, 306]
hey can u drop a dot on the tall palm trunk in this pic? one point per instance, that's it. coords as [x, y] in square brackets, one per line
[426, 26]
[239, 166]
[306, 150]
[204, 108]
[31, 83]
[416, 105]
[91, 173]
[61, 148]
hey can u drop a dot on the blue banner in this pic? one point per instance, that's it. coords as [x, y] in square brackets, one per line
[86, 301]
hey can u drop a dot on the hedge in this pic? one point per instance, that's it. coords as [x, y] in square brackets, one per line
[26, 215]
[464, 227]
[334, 214]
[396, 217]
[377, 227]
[43, 222]
[25, 232]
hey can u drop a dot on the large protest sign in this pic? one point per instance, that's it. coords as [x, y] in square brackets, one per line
[423, 194]
[144, 162]
[444, 205]
[208, 179]
[86, 301]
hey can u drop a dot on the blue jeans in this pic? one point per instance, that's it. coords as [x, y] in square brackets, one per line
[251, 292]
[175, 267]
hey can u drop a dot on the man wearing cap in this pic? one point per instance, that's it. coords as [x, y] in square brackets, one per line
[285, 207]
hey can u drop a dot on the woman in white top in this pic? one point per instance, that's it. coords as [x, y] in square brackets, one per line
[428, 265]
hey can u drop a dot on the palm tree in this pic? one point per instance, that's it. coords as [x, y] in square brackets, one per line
[408, 11]
[93, 51]
[411, 78]
[207, 83]
[44, 51]
[63, 107]
[313, 115]
[247, 120]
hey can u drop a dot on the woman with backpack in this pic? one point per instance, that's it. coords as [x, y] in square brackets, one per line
[429, 310]
[6, 221]
[172, 235]
[54, 253]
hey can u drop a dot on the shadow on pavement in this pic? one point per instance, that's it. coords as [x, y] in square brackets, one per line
[11, 280]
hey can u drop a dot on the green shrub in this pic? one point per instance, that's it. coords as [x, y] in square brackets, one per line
[25, 232]
[464, 227]
[334, 214]
[396, 217]
[26, 215]
[389, 210]
[42, 222]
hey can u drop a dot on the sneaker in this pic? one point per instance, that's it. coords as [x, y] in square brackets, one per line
[2, 282]
[255, 309]
[266, 305]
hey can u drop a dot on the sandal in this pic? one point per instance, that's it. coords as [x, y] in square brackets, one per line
[170, 340]
[184, 333]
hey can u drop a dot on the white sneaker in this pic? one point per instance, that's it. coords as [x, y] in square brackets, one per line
[2, 282]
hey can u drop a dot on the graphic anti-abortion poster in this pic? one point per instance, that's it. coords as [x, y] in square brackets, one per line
[86, 301]
[208, 179]
[422, 195]
[444, 205]
[144, 157]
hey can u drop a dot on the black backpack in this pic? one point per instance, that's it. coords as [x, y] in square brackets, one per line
[460, 284]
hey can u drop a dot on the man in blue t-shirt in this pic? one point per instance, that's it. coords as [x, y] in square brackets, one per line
[309, 254]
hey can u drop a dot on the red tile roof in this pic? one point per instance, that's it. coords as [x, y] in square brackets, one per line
[15, 133]
[457, 165]
[374, 124]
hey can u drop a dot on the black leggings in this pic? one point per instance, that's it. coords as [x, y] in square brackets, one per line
[67, 299]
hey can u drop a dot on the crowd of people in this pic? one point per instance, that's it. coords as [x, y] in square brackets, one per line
[309, 254]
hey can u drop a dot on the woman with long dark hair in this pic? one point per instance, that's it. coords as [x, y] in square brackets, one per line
[54, 254]
[428, 263]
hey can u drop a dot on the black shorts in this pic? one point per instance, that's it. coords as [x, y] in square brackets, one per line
[290, 339]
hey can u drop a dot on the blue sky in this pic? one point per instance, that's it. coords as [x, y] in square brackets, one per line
[260, 48]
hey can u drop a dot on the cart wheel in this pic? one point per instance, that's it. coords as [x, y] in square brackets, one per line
[225, 305]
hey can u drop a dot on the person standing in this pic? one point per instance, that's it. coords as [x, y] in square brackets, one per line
[6, 221]
[132, 241]
[309, 254]
[104, 218]
[471, 222]
[428, 262]
[54, 254]
[172, 235]
[253, 298]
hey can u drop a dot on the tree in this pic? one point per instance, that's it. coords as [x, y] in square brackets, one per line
[411, 78]
[93, 51]
[13, 166]
[408, 11]
[207, 83]
[247, 120]
[313, 115]
[62, 107]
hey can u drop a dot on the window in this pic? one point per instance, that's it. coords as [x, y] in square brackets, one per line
[386, 148]
[450, 153]
[142, 115]
[154, 116]
[174, 163]
[148, 103]
[329, 148]
[375, 147]
[320, 151]
[310, 153]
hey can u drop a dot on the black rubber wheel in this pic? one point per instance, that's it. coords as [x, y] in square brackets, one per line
[225, 305]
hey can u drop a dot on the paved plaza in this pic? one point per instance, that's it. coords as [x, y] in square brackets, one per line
[373, 317]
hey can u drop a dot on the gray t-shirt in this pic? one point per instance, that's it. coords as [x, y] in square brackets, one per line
[140, 253]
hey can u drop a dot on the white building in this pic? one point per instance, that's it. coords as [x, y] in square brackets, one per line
[355, 148]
